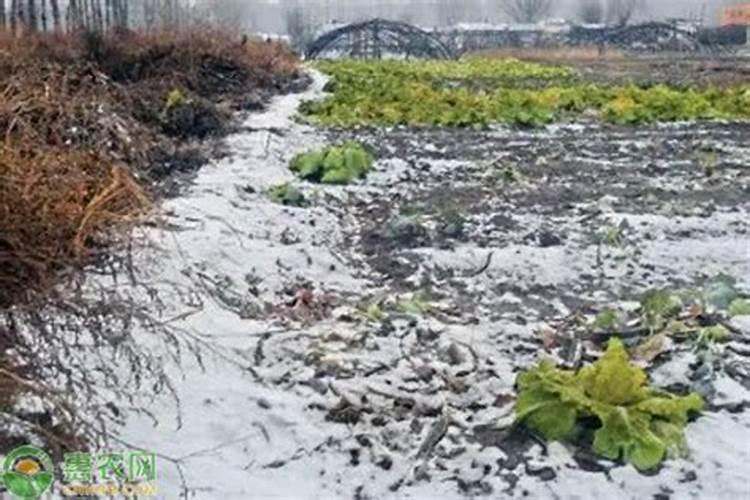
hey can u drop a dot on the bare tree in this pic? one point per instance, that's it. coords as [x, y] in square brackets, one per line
[620, 12]
[526, 11]
[298, 27]
[447, 12]
[2, 14]
[591, 11]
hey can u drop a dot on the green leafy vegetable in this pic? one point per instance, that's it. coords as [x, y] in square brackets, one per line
[716, 333]
[416, 305]
[739, 307]
[374, 312]
[477, 92]
[720, 292]
[607, 320]
[659, 306]
[639, 425]
[334, 165]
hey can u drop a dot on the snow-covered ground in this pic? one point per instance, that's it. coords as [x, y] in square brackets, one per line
[299, 395]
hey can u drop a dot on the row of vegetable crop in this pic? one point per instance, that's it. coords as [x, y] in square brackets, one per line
[421, 94]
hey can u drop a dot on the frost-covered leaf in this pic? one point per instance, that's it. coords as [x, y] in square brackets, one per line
[720, 292]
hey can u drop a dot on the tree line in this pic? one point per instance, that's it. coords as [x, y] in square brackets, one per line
[294, 15]
[91, 15]
[618, 12]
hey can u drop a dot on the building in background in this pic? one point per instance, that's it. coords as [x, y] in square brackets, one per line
[736, 15]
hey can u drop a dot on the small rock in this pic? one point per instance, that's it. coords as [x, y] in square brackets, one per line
[344, 413]
[364, 441]
[544, 473]
[453, 355]
[384, 462]
[379, 421]
[549, 239]
[689, 477]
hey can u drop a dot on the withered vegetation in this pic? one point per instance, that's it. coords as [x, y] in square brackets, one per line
[90, 124]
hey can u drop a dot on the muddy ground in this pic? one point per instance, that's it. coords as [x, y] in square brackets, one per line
[366, 345]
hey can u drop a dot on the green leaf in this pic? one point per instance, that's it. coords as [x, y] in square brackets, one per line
[337, 176]
[374, 312]
[308, 165]
[716, 333]
[607, 320]
[670, 408]
[613, 379]
[333, 165]
[551, 418]
[672, 436]
[541, 405]
[637, 424]
[739, 307]
[627, 435]
[357, 159]
[416, 305]
[658, 306]
[720, 292]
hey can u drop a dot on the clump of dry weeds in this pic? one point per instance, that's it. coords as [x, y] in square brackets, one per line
[87, 125]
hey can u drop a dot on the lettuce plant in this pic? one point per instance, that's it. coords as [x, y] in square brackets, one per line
[638, 424]
[478, 92]
[333, 165]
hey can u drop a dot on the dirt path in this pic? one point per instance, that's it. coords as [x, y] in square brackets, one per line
[471, 243]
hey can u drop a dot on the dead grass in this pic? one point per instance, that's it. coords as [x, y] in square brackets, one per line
[58, 208]
[85, 132]
[80, 116]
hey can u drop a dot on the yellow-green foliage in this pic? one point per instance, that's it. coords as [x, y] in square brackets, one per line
[333, 165]
[638, 424]
[175, 99]
[439, 71]
[478, 92]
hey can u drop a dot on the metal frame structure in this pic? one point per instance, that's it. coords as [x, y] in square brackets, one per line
[651, 36]
[377, 38]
